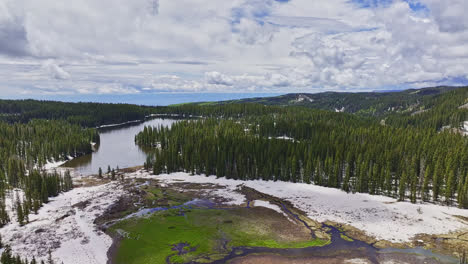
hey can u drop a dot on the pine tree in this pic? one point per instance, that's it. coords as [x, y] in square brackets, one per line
[425, 187]
[49, 258]
[19, 210]
[4, 218]
[388, 180]
[347, 178]
[464, 194]
[402, 186]
[437, 180]
[449, 187]
[44, 191]
[100, 173]
[26, 210]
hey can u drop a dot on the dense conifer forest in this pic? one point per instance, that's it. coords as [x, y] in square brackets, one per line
[430, 108]
[401, 144]
[24, 149]
[302, 145]
[427, 107]
[84, 114]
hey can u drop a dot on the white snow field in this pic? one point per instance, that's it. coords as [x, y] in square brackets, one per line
[67, 230]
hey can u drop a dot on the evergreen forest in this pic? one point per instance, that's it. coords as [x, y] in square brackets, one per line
[339, 150]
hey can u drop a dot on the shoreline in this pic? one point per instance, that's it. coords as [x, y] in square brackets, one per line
[119, 124]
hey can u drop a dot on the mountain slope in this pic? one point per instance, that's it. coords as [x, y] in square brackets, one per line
[433, 107]
[373, 103]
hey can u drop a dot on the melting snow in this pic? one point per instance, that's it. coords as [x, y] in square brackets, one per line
[379, 216]
[67, 230]
[267, 204]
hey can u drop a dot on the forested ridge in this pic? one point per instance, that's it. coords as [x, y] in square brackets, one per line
[84, 114]
[425, 108]
[312, 146]
[448, 109]
[24, 149]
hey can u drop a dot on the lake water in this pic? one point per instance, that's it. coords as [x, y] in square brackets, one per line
[117, 148]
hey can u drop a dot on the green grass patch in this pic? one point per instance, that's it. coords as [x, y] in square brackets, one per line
[344, 237]
[150, 240]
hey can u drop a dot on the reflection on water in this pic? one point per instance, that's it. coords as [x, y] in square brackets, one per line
[116, 149]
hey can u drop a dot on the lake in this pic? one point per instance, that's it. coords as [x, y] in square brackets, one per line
[117, 148]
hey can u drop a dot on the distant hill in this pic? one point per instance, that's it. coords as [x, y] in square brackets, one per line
[366, 103]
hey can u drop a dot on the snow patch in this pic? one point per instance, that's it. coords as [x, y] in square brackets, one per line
[53, 164]
[271, 206]
[379, 216]
[465, 128]
[267, 204]
[357, 261]
[229, 192]
[67, 230]
[340, 110]
[301, 98]
[119, 124]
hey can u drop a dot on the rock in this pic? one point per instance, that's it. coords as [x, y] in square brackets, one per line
[39, 230]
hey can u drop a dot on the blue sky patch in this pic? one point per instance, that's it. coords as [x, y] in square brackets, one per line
[415, 5]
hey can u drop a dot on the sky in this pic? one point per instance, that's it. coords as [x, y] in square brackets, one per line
[138, 47]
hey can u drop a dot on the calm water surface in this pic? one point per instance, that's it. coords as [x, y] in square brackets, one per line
[117, 148]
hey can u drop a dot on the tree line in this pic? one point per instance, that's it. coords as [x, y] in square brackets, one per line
[24, 149]
[84, 114]
[436, 112]
[324, 148]
[7, 257]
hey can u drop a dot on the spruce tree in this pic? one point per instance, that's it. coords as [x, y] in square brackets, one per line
[4, 218]
[402, 186]
[449, 187]
[50, 260]
[19, 210]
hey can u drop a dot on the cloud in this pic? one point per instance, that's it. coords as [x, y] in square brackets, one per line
[218, 78]
[55, 71]
[119, 46]
[13, 38]
[324, 25]
[449, 15]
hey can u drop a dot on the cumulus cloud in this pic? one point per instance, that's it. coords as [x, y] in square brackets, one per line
[449, 15]
[218, 78]
[119, 46]
[55, 71]
[13, 39]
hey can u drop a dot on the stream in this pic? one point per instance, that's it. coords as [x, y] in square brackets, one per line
[337, 247]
